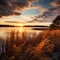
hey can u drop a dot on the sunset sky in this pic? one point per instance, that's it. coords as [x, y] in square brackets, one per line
[28, 12]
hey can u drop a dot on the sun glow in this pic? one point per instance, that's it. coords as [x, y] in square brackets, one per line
[21, 25]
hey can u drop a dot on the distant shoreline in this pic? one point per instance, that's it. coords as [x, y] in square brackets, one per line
[23, 26]
[40, 28]
[33, 27]
[7, 26]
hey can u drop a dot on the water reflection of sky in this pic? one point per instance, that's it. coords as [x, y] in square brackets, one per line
[4, 31]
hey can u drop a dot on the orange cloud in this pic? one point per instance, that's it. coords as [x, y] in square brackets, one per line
[56, 3]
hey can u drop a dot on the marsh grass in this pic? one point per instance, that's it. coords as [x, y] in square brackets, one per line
[42, 46]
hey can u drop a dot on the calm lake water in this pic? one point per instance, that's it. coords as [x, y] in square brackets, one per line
[5, 30]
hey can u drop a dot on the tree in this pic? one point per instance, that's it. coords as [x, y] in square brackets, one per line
[56, 23]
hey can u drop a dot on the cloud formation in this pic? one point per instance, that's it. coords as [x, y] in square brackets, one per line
[15, 7]
[55, 3]
[47, 16]
[10, 7]
[12, 22]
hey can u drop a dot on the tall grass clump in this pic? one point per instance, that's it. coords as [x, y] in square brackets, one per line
[42, 46]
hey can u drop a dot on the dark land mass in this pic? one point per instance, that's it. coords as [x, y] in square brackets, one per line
[40, 28]
[7, 26]
[35, 26]
[23, 26]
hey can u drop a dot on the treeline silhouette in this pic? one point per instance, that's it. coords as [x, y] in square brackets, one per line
[56, 23]
[24, 46]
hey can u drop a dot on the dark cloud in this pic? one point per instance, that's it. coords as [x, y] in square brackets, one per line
[58, 1]
[9, 7]
[55, 3]
[47, 16]
[51, 13]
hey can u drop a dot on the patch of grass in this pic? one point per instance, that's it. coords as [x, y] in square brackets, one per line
[44, 46]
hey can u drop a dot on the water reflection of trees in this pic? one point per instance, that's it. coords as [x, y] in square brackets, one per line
[41, 46]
